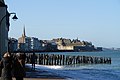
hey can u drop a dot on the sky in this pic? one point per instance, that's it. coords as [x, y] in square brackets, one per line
[96, 21]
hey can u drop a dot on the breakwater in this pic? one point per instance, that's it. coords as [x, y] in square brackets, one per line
[55, 59]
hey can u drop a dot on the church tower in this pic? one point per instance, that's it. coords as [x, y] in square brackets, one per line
[24, 35]
[22, 39]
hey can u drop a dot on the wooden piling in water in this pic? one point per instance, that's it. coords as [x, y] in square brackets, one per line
[55, 59]
[63, 59]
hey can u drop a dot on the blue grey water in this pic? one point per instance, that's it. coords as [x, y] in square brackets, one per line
[89, 72]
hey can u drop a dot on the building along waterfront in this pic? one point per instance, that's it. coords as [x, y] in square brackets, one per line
[26, 43]
[75, 45]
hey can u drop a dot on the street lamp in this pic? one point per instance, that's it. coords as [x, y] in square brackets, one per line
[14, 17]
[8, 15]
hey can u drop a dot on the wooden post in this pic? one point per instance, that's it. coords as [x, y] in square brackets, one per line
[77, 59]
[66, 60]
[39, 59]
[47, 58]
[52, 56]
[44, 59]
[57, 59]
[63, 59]
[74, 61]
[33, 61]
[91, 60]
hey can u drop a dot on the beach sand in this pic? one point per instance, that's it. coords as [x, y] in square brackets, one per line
[41, 75]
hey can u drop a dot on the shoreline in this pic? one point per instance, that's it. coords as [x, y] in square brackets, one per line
[41, 74]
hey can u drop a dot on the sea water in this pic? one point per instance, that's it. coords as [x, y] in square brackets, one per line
[88, 71]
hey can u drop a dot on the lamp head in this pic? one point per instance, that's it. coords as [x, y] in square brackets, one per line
[15, 17]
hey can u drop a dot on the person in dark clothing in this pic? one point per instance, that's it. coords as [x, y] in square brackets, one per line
[6, 66]
[18, 67]
[33, 61]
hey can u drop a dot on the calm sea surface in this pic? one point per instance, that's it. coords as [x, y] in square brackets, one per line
[91, 71]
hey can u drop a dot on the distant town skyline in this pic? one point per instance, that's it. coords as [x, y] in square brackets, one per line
[89, 20]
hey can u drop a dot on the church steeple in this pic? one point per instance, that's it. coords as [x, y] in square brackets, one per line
[24, 35]
[24, 32]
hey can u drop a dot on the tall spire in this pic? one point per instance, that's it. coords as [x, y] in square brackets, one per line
[24, 31]
[24, 35]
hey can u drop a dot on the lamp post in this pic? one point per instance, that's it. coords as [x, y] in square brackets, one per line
[6, 16]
